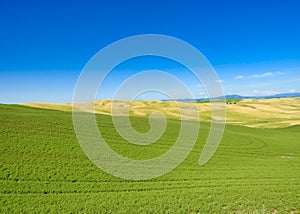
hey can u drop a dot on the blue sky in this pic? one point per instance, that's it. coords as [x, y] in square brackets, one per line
[253, 45]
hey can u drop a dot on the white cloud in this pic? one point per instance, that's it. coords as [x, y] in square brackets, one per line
[261, 75]
[219, 81]
[238, 77]
[292, 90]
[261, 93]
[254, 76]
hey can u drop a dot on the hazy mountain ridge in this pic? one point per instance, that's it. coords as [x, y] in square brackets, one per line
[236, 96]
[284, 95]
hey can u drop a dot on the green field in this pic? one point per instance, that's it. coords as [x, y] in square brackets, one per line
[43, 169]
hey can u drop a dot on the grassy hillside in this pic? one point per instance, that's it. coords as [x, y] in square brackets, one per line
[43, 169]
[262, 113]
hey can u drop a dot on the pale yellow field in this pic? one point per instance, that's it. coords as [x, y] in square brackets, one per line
[264, 113]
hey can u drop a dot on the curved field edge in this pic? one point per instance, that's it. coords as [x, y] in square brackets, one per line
[43, 169]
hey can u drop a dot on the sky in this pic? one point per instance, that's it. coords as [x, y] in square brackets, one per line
[253, 46]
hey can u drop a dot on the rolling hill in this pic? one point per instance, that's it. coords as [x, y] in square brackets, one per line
[265, 113]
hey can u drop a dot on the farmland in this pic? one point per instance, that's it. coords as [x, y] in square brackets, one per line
[263, 113]
[255, 170]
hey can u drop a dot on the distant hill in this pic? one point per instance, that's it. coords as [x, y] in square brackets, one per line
[266, 113]
[285, 95]
[235, 96]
